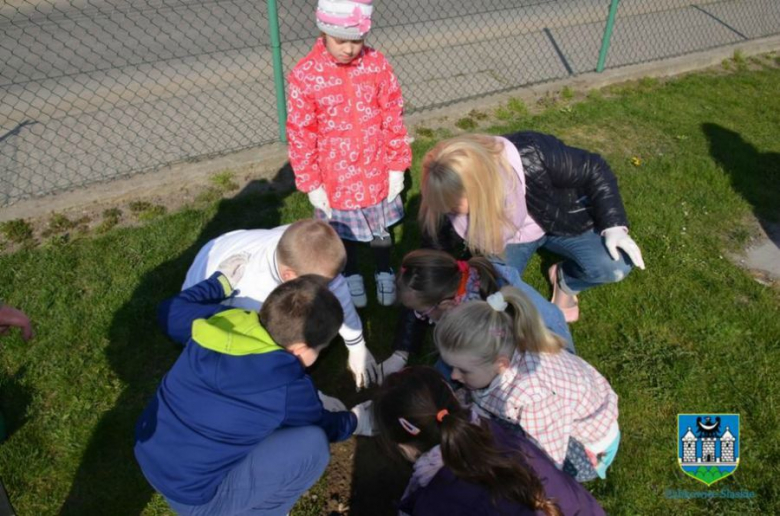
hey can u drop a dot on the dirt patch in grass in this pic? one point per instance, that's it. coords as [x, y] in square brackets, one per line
[360, 480]
[101, 216]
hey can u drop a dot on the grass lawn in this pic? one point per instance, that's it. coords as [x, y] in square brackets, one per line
[697, 158]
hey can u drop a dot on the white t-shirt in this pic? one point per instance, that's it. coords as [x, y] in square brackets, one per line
[262, 275]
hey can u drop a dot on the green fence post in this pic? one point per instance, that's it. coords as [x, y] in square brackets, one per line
[276, 52]
[607, 35]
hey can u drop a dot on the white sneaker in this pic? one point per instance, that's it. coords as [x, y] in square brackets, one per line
[385, 288]
[358, 290]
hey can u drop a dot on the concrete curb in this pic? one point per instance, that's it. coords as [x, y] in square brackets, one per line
[268, 159]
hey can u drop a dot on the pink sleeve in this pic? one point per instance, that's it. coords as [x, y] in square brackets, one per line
[302, 136]
[516, 198]
[398, 153]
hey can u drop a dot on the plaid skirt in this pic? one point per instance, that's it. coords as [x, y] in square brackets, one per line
[363, 224]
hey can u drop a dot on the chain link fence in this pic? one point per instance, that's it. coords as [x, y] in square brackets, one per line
[93, 90]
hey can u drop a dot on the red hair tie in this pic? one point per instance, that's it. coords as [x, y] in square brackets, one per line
[463, 267]
[440, 415]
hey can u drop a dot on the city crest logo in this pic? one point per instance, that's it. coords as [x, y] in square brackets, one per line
[708, 445]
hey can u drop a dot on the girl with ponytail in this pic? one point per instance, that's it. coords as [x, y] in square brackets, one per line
[465, 465]
[431, 282]
[514, 370]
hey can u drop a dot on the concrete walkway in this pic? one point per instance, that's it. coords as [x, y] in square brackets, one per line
[89, 94]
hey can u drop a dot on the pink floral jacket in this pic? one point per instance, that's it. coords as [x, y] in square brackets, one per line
[345, 127]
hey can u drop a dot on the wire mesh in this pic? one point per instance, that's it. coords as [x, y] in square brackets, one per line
[92, 90]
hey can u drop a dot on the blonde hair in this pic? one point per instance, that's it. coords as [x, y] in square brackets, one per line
[477, 329]
[312, 247]
[471, 166]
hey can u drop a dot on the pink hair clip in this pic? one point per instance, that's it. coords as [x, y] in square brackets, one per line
[497, 333]
[413, 430]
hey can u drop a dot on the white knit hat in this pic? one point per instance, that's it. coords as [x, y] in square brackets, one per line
[344, 19]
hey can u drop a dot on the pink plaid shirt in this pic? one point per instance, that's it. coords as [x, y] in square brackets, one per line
[554, 396]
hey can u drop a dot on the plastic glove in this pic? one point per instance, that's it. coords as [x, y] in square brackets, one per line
[330, 403]
[395, 363]
[396, 185]
[617, 237]
[365, 419]
[11, 317]
[362, 364]
[319, 199]
[233, 267]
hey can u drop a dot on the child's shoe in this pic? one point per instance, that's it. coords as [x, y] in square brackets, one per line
[385, 288]
[357, 290]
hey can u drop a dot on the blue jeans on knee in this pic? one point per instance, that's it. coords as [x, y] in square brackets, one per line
[271, 477]
[587, 262]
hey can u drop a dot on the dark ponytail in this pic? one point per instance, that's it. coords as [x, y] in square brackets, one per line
[433, 416]
[428, 277]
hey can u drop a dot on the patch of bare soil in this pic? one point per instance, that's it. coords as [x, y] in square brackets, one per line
[362, 480]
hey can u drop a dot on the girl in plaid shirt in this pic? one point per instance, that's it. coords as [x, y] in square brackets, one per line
[515, 370]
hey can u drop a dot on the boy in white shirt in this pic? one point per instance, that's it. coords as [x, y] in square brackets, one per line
[273, 256]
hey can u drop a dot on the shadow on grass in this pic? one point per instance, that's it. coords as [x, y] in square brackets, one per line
[754, 175]
[15, 397]
[108, 480]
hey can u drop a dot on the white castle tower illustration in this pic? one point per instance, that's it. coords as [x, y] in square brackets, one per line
[709, 453]
[727, 446]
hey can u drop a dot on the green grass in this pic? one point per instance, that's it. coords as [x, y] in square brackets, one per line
[224, 181]
[693, 333]
[17, 230]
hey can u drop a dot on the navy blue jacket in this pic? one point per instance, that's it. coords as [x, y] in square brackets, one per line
[230, 388]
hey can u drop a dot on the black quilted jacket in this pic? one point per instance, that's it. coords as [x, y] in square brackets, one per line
[568, 191]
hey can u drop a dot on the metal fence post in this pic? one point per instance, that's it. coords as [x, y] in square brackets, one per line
[276, 52]
[607, 35]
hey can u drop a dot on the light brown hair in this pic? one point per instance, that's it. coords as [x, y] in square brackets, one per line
[302, 310]
[471, 166]
[312, 247]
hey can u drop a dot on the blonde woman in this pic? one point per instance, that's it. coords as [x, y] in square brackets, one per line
[508, 196]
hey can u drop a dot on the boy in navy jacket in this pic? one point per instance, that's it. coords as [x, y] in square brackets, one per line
[236, 424]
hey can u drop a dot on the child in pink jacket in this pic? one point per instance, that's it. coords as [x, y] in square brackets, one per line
[348, 144]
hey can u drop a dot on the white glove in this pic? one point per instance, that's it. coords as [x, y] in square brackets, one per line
[233, 267]
[396, 185]
[362, 364]
[617, 237]
[364, 413]
[330, 403]
[395, 363]
[319, 199]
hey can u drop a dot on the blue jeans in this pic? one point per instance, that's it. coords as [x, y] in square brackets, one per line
[587, 264]
[271, 477]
